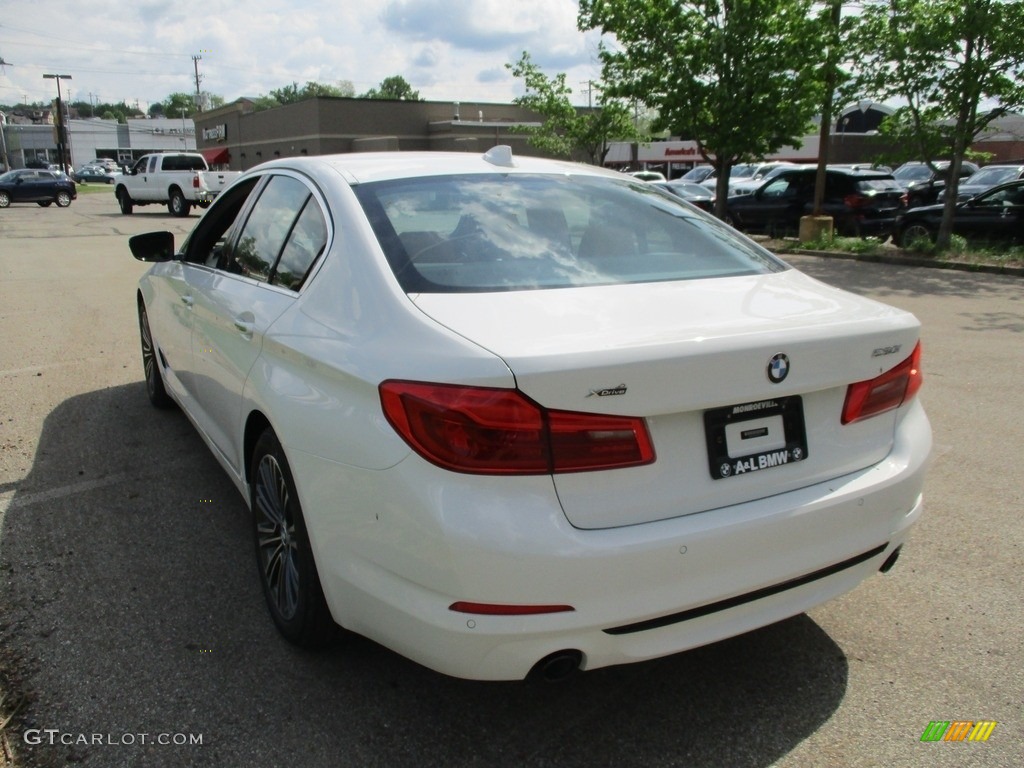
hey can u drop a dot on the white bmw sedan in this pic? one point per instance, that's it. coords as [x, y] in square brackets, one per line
[513, 417]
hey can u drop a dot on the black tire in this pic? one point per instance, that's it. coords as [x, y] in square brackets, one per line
[177, 204]
[284, 558]
[124, 200]
[5, 199]
[44, 203]
[63, 199]
[730, 220]
[913, 232]
[151, 365]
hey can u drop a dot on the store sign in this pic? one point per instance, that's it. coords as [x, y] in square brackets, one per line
[217, 133]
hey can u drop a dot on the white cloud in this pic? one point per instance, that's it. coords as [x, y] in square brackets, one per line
[142, 50]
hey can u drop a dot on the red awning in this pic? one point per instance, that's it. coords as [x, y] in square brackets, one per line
[215, 155]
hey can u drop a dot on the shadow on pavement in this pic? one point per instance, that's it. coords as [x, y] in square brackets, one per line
[133, 609]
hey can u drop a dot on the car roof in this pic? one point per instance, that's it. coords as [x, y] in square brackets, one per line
[859, 173]
[364, 167]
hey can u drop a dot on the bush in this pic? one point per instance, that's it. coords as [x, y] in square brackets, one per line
[844, 244]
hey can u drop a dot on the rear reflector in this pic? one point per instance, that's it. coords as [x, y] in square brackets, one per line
[886, 392]
[483, 430]
[491, 609]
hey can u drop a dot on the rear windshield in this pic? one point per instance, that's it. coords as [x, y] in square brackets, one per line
[498, 232]
[869, 186]
[184, 163]
[913, 172]
[992, 176]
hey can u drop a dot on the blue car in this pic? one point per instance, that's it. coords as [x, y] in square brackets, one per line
[31, 185]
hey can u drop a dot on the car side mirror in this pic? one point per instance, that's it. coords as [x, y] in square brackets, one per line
[152, 246]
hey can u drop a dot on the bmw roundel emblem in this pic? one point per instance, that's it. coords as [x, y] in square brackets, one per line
[778, 368]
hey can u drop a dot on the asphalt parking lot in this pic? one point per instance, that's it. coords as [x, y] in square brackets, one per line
[133, 632]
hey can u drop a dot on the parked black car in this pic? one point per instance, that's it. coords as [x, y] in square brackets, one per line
[924, 183]
[861, 203]
[987, 178]
[994, 215]
[31, 185]
[692, 193]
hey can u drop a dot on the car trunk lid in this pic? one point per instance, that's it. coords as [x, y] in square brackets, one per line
[702, 361]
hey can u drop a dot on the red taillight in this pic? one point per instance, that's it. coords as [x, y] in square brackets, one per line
[886, 392]
[855, 201]
[195, 181]
[494, 609]
[482, 430]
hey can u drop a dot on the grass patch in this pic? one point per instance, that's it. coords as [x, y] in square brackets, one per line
[859, 245]
[960, 251]
[94, 189]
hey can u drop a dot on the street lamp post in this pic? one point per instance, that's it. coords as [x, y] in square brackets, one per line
[62, 133]
[5, 162]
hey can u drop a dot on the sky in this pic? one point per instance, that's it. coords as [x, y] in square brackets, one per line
[142, 50]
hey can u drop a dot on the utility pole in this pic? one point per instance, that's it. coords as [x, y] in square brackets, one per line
[62, 133]
[199, 103]
[590, 93]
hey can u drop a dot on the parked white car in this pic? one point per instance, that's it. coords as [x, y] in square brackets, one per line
[512, 417]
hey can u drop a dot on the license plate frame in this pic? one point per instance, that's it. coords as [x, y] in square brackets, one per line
[727, 461]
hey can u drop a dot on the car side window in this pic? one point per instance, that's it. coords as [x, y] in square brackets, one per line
[207, 243]
[268, 228]
[777, 188]
[306, 242]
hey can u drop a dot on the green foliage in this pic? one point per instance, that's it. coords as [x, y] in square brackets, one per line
[565, 128]
[175, 105]
[395, 88]
[290, 94]
[294, 93]
[861, 245]
[743, 78]
[922, 246]
[956, 65]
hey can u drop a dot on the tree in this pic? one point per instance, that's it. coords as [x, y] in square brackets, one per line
[741, 78]
[394, 87]
[119, 111]
[957, 65]
[178, 105]
[566, 128]
[290, 94]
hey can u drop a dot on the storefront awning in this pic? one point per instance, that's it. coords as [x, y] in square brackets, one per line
[215, 155]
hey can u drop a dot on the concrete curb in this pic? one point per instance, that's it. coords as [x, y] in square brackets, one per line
[906, 261]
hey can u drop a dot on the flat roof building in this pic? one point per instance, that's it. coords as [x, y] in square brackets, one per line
[238, 136]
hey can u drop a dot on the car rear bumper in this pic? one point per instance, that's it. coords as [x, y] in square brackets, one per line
[396, 548]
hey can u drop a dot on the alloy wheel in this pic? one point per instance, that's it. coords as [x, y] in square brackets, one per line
[276, 538]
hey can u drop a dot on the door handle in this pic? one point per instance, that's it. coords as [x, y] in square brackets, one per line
[187, 300]
[244, 326]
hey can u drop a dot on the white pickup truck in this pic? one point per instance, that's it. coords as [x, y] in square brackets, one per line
[178, 180]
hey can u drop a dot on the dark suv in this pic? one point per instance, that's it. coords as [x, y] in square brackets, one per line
[925, 183]
[862, 203]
